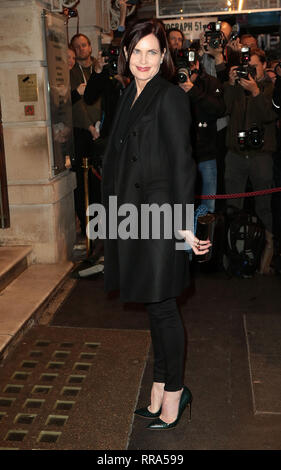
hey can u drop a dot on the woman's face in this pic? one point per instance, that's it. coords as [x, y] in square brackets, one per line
[145, 59]
[70, 58]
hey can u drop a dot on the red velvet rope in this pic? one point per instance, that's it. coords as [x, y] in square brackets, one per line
[237, 195]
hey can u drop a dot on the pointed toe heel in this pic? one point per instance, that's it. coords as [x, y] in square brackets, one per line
[145, 413]
[185, 401]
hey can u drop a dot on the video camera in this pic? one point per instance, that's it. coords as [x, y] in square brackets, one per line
[251, 139]
[245, 69]
[112, 54]
[214, 37]
[183, 60]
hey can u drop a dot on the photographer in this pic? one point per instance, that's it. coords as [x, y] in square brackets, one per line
[207, 104]
[219, 49]
[251, 138]
[219, 46]
[175, 38]
[105, 82]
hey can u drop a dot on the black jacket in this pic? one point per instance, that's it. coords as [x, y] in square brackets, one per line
[109, 89]
[245, 110]
[207, 104]
[148, 160]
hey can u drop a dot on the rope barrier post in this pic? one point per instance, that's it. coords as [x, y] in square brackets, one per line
[86, 190]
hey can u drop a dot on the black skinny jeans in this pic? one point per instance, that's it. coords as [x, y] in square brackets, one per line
[168, 340]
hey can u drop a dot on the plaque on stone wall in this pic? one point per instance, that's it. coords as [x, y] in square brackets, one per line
[59, 88]
[27, 84]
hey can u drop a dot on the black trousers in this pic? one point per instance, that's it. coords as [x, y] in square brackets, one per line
[258, 168]
[168, 340]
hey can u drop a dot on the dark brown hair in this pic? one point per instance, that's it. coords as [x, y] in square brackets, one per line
[171, 30]
[134, 34]
[260, 53]
[79, 35]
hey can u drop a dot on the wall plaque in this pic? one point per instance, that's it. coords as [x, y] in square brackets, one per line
[28, 87]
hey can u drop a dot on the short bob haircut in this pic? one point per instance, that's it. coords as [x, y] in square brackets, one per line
[134, 34]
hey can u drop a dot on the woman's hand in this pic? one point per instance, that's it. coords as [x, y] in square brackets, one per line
[81, 88]
[67, 163]
[94, 132]
[199, 247]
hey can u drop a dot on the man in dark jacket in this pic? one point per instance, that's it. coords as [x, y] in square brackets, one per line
[206, 97]
[84, 119]
[108, 87]
[251, 140]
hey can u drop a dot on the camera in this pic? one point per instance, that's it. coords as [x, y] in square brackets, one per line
[251, 139]
[184, 59]
[214, 37]
[245, 69]
[112, 54]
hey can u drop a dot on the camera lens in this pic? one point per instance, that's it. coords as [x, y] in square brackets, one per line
[182, 76]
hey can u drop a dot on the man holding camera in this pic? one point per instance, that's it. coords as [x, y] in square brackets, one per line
[207, 104]
[251, 139]
[175, 38]
[219, 45]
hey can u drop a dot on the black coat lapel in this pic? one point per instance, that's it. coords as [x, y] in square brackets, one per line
[147, 95]
[123, 100]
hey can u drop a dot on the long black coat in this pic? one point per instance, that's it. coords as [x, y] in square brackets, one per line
[149, 161]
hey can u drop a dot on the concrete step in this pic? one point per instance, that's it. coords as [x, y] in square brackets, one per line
[13, 261]
[24, 299]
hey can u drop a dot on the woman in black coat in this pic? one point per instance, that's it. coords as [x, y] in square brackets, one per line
[148, 161]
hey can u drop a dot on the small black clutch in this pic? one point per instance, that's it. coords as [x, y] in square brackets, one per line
[205, 231]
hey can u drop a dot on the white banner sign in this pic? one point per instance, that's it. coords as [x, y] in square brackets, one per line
[191, 27]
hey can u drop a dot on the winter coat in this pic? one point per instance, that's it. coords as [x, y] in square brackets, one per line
[148, 160]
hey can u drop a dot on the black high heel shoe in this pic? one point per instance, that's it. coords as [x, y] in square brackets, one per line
[185, 400]
[145, 413]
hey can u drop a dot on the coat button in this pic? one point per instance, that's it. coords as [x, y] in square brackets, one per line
[137, 185]
[121, 141]
[134, 158]
[134, 133]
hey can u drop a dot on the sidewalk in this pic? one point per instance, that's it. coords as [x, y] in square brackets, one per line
[233, 360]
[233, 370]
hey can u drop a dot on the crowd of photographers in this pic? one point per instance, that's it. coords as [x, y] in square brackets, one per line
[235, 98]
